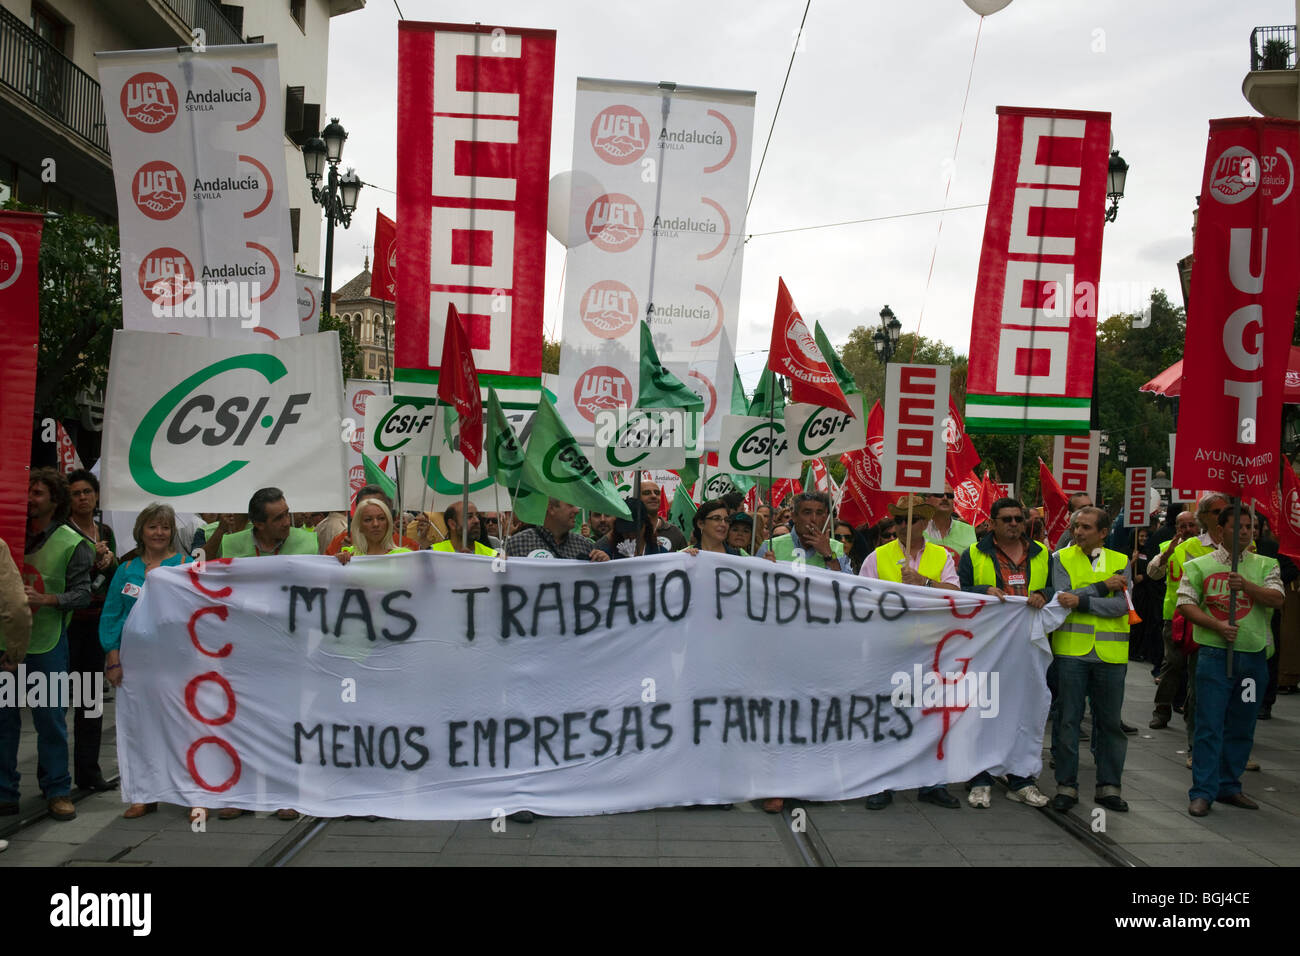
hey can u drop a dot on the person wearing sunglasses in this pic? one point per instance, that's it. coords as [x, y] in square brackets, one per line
[945, 529]
[1006, 562]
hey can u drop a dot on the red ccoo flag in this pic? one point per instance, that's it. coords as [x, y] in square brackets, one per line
[458, 386]
[795, 354]
[1056, 504]
[962, 456]
[383, 278]
[862, 501]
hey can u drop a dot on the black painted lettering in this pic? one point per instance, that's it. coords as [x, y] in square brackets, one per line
[363, 745]
[794, 723]
[600, 731]
[515, 731]
[899, 605]
[698, 720]
[717, 578]
[509, 608]
[301, 733]
[308, 596]
[454, 743]
[760, 708]
[469, 607]
[649, 613]
[853, 603]
[385, 741]
[570, 735]
[414, 740]
[622, 582]
[486, 732]
[787, 588]
[585, 606]
[387, 604]
[362, 613]
[833, 719]
[657, 711]
[907, 719]
[542, 740]
[855, 720]
[338, 729]
[749, 594]
[733, 715]
[808, 614]
[635, 730]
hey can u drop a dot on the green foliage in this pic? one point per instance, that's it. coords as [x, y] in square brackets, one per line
[859, 357]
[349, 354]
[550, 357]
[80, 306]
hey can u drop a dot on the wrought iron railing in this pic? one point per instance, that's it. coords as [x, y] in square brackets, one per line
[1272, 48]
[43, 76]
[207, 15]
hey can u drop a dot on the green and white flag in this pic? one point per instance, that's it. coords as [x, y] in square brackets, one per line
[660, 388]
[767, 386]
[682, 513]
[556, 467]
[847, 385]
[505, 457]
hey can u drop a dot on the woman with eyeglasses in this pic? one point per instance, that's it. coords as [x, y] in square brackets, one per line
[711, 527]
[854, 549]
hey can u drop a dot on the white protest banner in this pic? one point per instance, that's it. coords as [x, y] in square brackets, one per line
[1137, 484]
[203, 423]
[1074, 463]
[434, 686]
[816, 430]
[641, 438]
[655, 229]
[309, 302]
[915, 456]
[202, 192]
[748, 442]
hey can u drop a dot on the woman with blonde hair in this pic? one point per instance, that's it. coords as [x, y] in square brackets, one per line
[372, 532]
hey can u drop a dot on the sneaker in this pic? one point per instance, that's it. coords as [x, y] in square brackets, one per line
[62, 809]
[1028, 794]
[980, 797]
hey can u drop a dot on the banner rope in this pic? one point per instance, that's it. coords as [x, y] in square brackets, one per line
[948, 186]
[777, 112]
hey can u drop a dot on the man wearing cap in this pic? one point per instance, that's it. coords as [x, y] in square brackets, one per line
[910, 559]
[810, 539]
[1006, 561]
[1090, 652]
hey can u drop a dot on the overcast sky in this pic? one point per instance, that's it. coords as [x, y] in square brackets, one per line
[867, 129]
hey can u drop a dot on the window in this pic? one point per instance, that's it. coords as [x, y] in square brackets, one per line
[49, 26]
[298, 10]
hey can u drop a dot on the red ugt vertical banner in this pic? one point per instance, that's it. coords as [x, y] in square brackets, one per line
[1242, 308]
[20, 248]
[474, 144]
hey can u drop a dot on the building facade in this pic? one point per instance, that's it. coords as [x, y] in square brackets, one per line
[373, 323]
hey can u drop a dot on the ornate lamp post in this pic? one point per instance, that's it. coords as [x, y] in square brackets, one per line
[885, 338]
[338, 198]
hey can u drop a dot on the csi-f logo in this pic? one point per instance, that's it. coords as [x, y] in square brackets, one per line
[158, 190]
[190, 412]
[601, 387]
[820, 430]
[615, 222]
[573, 464]
[629, 435]
[609, 309]
[149, 102]
[620, 135]
[399, 425]
[753, 448]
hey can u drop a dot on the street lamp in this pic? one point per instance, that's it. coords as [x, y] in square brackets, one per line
[339, 197]
[1116, 173]
[885, 338]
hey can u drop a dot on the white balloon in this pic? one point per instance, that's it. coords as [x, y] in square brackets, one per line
[571, 194]
[986, 7]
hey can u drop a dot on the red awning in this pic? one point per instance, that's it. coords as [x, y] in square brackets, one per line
[1170, 382]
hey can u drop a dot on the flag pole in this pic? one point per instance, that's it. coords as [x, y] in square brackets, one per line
[501, 528]
[433, 436]
[464, 504]
[1232, 595]
[771, 453]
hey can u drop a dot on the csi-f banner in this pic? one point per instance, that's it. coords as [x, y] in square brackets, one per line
[1033, 333]
[658, 235]
[750, 443]
[817, 430]
[203, 423]
[914, 457]
[202, 193]
[1243, 300]
[474, 144]
[20, 248]
[309, 303]
[425, 686]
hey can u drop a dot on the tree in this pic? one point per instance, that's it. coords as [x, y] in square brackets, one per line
[80, 307]
[349, 354]
[550, 356]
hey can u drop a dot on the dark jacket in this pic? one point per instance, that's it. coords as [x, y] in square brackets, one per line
[966, 568]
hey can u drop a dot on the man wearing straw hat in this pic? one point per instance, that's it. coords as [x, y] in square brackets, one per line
[910, 559]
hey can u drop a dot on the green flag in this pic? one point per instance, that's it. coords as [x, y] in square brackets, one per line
[689, 473]
[660, 388]
[506, 461]
[376, 476]
[682, 512]
[767, 386]
[738, 404]
[556, 467]
[847, 385]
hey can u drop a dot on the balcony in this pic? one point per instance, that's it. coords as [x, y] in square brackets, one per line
[205, 14]
[48, 80]
[1272, 86]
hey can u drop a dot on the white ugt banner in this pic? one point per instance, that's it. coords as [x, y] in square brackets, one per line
[202, 192]
[437, 686]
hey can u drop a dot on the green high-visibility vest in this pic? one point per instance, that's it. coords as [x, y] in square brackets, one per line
[51, 563]
[783, 550]
[241, 544]
[1209, 577]
[1081, 631]
[890, 558]
[985, 569]
[1189, 549]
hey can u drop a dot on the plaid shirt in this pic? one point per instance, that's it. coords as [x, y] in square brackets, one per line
[1008, 570]
[574, 547]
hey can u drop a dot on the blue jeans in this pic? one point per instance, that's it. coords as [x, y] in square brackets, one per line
[1077, 681]
[1225, 724]
[51, 734]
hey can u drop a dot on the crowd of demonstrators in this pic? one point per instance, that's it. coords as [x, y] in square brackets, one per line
[637, 536]
[712, 529]
[810, 540]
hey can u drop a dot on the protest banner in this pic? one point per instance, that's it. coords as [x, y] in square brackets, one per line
[756, 447]
[474, 144]
[817, 430]
[914, 456]
[1033, 333]
[425, 686]
[202, 190]
[20, 248]
[310, 302]
[1137, 486]
[203, 423]
[657, 234]
[1074, 462]
[1242, 308]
